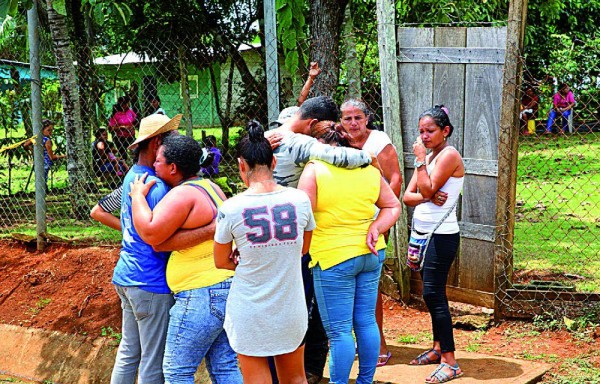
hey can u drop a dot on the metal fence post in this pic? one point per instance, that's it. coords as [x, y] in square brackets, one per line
[36, 119]
[272, 69]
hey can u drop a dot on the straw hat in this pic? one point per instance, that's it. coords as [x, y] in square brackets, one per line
[155, 125]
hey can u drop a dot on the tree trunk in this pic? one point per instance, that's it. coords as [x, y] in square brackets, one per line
[352, 63]
[325, 27]
[85, 68]
[224, 115]
[77, 150]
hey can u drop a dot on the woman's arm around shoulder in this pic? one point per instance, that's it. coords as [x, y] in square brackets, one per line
[155, 226]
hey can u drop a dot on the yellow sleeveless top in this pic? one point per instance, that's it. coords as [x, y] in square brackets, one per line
[194, 267]
[345, 209]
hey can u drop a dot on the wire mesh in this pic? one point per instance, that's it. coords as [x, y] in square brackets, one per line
[216, 97]
[552, 268]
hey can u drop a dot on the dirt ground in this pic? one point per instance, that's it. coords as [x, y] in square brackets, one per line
[69, 289]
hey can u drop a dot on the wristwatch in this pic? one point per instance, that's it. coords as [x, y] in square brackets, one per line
[418, 164]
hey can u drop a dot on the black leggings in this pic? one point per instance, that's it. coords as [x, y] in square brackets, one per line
[440, 255]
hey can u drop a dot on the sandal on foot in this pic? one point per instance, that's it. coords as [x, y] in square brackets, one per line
[383, 359]
[439, 376]
[424, 359]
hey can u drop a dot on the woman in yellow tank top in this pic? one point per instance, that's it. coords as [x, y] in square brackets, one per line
[196, 319]
[347, 253]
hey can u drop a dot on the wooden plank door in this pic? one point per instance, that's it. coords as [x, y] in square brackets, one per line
[462, 69]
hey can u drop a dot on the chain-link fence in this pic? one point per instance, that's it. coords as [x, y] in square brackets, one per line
[554, 255]
[556, 248]
[216, 97]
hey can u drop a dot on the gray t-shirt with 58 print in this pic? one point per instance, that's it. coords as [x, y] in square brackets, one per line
[266, 311]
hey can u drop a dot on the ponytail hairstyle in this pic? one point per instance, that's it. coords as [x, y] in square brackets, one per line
[439, 114]
[329, 133]
[254, 148]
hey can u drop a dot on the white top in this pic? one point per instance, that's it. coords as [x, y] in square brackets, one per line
[266, 312]
[427, 215]
[376, 141]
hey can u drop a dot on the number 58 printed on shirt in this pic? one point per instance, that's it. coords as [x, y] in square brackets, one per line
[279, 222]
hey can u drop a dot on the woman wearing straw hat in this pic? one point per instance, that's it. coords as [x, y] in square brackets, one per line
[139, 276]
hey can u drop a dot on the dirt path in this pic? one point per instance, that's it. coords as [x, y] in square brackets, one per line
[69, 289]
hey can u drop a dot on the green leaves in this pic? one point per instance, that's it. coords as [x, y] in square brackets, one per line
[104, 10]
[291, 26]
[59, 6]
[8, 8]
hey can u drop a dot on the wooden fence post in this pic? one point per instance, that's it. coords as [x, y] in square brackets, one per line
[388, 68]
[508, 146]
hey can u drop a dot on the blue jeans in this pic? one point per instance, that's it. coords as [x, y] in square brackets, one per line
[346, 294]
[144, 331]
[195, 332]
[440, 255]
[553, 115]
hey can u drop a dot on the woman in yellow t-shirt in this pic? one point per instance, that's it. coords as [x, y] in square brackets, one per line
[201, 290]
[347, 253]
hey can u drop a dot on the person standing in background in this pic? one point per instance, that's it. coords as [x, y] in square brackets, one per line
[122, 126]
[49, 156]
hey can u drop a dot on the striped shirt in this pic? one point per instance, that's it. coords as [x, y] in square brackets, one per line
[112, 202]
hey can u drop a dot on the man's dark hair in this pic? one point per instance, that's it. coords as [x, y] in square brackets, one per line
[184, 152]
[254, 148]
[439, 116]
[320, 108]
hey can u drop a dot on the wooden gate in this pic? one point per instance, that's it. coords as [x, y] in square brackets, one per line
[462, 69]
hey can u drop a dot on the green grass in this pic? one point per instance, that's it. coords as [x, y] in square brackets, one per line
[576, 371]
[88, 232]
[558, 208]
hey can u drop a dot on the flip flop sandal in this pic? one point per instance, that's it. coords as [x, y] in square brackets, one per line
[383, 359]
[442, 377]
[424, 359]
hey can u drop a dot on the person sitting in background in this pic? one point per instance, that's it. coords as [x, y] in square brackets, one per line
[563, 103]
[104, 159]
[154, 107]
[529, 109]
[210, 143]
[122, 125]
[49, 156]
